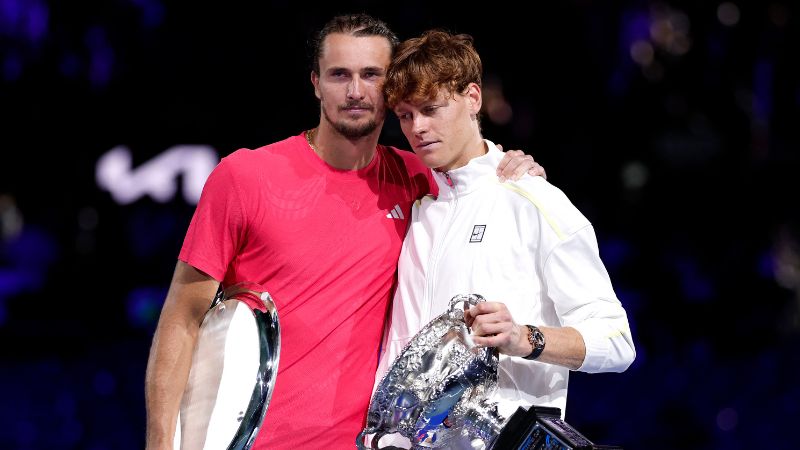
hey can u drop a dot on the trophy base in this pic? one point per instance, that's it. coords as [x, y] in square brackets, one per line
[541, 428]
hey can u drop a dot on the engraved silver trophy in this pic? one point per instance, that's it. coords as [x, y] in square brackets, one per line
[436, 393]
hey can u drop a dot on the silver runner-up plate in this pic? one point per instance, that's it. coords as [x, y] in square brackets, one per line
[233, 372]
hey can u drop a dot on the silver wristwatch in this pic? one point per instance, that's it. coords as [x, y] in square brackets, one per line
[536, 339]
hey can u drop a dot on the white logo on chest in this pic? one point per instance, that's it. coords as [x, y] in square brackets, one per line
[396, 213]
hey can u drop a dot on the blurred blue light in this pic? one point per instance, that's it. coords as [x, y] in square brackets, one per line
[24, 260]
[69, 65]
[144, 305]
[10, 13]
[70, 432]
[696, 286]
[66, 404]
[615, 251]
[104, 383]
[37, 21]
[101, 56]
[636, 27]
[25, 20]
[766, 265]
[25, 432]
[153, 12]
[12, 67]
[762, 90]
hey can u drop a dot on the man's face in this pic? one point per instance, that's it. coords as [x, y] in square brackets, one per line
[350, 83]
[443, 131]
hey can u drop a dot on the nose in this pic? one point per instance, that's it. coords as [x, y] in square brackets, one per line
[419, 125]
[355, 90]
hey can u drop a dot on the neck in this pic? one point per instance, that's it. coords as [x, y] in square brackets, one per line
[342, 152]
[476, 148]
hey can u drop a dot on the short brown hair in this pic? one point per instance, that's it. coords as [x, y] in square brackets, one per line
[358, 25]
[424, 65]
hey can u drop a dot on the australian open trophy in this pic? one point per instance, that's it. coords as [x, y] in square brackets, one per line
[437, 390]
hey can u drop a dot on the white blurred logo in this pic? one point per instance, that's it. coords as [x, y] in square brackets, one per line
[158, 177]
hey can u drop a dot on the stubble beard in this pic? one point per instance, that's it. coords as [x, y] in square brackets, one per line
[352, 131]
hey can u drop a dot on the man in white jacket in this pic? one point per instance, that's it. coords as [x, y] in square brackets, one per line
[522, 245]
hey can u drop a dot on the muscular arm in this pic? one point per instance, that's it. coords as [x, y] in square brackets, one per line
[189, 297]
[493, 326]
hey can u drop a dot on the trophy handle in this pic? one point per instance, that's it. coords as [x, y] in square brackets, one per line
[467, 300]
[456, 315]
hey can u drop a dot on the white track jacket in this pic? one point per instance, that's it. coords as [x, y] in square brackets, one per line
[521, 243]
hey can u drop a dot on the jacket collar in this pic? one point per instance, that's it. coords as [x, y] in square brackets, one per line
[465, 179]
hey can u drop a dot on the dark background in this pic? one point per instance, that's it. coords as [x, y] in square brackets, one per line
[672, 125]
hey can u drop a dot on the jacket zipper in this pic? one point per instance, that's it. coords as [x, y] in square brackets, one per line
[433, 261]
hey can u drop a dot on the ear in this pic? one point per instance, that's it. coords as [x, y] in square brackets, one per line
[315, 82]
[474, 98]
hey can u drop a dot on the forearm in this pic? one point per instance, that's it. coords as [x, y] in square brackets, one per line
[188, 299]
[165, 380]
[564, 346]
[493, 326]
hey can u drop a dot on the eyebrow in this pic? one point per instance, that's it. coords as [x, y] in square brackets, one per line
[368, 68]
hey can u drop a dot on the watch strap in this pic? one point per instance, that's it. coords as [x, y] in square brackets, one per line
[536, 339]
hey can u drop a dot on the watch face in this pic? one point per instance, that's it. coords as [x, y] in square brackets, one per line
[536, 339]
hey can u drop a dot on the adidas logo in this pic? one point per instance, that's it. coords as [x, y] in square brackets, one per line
[396, 213]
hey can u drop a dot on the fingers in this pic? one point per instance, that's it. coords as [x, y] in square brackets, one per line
[468, 318]
[492, 329]
[518, 164]
[492, 326]
[503, 341]
[524, 165]
[506, 337]
[489, 318]
[507, 158]
[537, 171]
[485, 308]
[487, 341]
